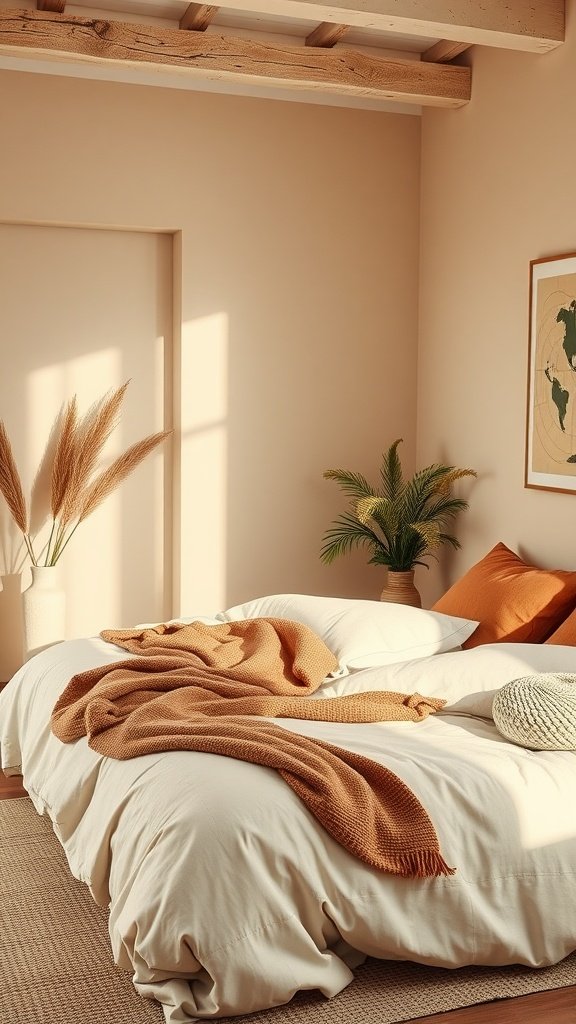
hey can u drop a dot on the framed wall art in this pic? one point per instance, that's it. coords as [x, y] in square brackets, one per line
[551, 412]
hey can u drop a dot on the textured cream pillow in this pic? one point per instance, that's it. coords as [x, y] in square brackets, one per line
[363, 633]
[538, 712]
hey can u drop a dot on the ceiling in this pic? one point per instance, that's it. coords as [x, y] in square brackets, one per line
[380, 54]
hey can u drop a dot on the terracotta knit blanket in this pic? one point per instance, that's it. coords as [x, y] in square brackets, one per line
[189, 690]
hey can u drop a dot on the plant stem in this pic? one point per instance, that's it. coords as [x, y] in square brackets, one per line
[57, 545]
[28, 543]
[60, 550]
[47, 558]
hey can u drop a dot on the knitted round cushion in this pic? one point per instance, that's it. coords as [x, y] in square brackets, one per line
[538, 712]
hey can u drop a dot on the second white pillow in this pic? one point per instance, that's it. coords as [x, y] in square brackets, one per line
[362, 633]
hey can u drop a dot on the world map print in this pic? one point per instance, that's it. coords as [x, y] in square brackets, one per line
[553, 413]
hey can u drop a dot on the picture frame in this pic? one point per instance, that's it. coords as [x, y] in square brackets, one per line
[550, 455]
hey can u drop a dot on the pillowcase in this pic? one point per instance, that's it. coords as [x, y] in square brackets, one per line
[363, 633]
[512, 600]
[566, 632]
[466, 680]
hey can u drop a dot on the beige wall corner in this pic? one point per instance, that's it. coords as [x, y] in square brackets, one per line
[497, 192]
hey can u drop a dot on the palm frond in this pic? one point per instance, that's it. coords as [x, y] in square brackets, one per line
[383, 514]
[406, 549]
[354, 484]
[425, 496]
[450, 476]
[429, 532]
[371, 506]
[444, 509]
[345, 534]
[415, 494]
[447, 538]
[391, 472]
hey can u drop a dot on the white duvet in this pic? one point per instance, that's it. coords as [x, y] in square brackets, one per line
[226, 896]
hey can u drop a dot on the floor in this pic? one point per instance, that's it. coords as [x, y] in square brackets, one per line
[556, 1007]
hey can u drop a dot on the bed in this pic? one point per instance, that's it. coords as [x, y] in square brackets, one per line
[227, 896]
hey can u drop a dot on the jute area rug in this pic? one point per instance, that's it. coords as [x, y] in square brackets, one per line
[56, 966]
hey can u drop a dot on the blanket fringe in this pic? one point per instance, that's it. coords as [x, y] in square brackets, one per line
[420, 864]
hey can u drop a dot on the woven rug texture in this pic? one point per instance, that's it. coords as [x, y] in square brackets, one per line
[56, 966]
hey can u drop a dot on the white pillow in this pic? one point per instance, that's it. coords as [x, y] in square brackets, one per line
[466, 680]
[363, 633]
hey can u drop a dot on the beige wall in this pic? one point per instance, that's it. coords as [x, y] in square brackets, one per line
[83, 311]
[497, 191]
[295, 287]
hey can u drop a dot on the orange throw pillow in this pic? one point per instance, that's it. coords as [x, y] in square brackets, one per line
[566, 632]
[512, 601]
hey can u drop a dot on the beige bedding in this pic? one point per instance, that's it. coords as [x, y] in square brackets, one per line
[227, 897]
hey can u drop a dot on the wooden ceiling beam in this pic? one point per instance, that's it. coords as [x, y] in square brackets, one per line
[197, 17]
[56, 6]
[532, 25]
[41, 34]
[326, 34]
[444, 50]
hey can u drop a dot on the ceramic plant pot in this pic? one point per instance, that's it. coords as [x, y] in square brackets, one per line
[400, 589]
[44, 610]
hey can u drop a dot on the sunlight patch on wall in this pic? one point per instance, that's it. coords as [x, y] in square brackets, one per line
[49, 388]
[162, 554]
[203, 387]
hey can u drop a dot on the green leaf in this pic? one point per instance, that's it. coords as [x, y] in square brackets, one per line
[351, 483]
[346, 534]
[391, 472]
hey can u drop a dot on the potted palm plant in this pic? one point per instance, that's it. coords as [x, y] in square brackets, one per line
[402, 522]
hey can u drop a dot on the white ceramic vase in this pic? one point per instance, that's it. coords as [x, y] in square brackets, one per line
[11, 644]
[44, 610]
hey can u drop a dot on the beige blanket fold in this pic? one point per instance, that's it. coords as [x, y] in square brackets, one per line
[192, 687]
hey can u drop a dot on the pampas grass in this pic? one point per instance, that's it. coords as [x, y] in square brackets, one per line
[76, 488]
[11, 488]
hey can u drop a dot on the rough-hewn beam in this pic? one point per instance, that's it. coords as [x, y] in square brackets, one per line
[444, 50]
[197, 17]
[207, 55]
[326, 34]
[57, 6]
[534, 25]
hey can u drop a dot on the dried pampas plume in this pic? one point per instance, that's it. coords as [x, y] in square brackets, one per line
[86, 443]
[76, 491]
[110, 478]
[63, 457]
[10, 483]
